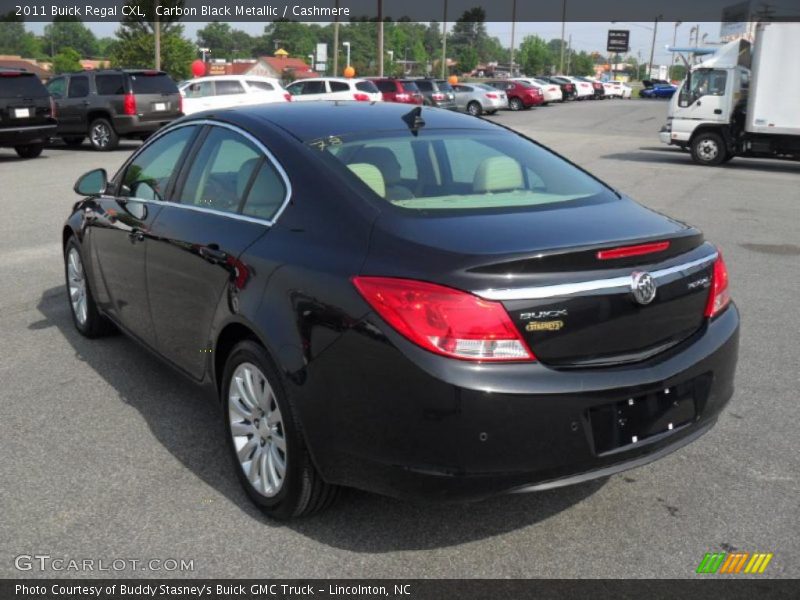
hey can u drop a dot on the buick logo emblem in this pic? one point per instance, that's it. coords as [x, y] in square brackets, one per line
[643, 287]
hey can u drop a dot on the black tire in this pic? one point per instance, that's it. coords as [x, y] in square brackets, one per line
[515, 104]
[708, 149]
[102, 135]
[475, 109]
[29, 151]
[302, 491]
[74, 141]
[491, 112]
[94, 324]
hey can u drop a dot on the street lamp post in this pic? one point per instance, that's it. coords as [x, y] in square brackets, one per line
[347, 45]
[203, 52]
[674, 41]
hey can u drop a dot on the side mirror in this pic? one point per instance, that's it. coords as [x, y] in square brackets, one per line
[685, 97]
[93, 183]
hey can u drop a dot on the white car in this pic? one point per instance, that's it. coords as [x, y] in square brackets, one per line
[621, 90]
[583, 88]
[334, 88]
[228, 91]
[550, 91]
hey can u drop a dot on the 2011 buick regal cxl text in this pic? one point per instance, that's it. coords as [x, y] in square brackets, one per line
[412, 302]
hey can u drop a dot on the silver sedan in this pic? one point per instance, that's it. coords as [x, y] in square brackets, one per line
[478, 98]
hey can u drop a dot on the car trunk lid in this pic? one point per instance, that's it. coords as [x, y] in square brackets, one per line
[157, 96]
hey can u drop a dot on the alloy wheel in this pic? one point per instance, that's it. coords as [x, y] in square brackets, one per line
[257, 429]
[77, 285]
[100, 135]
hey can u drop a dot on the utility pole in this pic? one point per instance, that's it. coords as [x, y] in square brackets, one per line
[563, 25]
[157, 28]
[653, 48]
[674, 41]
[513, 24]
[380, 38]
[569, 53]
[444, 42]
[336, 41]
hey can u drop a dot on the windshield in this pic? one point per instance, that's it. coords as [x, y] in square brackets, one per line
[458, 170]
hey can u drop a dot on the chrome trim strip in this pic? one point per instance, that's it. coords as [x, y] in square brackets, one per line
[235, 216]
[614, 284]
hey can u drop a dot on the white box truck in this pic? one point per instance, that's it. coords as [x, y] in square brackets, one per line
[741, 103]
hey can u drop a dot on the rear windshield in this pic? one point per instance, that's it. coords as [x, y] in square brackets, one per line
[444, 86]
[21, 86]
[159, 83]
[457, 170]
[410, 86]
[367, 86]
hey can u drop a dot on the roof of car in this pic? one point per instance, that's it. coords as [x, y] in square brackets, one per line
[313, 120]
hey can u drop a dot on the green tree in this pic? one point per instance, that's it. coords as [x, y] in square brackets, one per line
[136, 50]
[535, 56]
[224, 41]
[466, 59]
[69, 32]
[104, 46]
[581, 63]
[14, 39]
[68, 60]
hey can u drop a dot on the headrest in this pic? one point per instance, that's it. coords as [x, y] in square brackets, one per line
[245, 172]
[498, 174]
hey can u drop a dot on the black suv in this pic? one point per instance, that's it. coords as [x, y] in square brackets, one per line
[26, 113]
[112, 103]
[437, 92]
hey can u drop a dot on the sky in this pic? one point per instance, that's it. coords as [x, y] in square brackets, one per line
[585, 36]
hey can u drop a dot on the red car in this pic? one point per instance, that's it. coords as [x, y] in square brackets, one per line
[520, 95]
[398, 90]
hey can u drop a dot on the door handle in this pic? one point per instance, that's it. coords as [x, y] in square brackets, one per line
[717, 111]
[213, 254]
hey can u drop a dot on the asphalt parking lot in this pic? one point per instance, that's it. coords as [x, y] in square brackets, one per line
[108, 454]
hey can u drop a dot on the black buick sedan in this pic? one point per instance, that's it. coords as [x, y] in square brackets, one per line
[412, 302]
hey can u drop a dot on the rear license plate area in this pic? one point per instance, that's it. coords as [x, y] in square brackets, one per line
[633, 420]
[159, 106]
[22, 113]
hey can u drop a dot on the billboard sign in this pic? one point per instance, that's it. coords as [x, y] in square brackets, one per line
[618, 40]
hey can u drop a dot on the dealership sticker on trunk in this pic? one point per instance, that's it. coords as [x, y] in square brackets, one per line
[22, 113]
[544, 326]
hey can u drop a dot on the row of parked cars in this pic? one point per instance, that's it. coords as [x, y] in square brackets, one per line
[110, 104]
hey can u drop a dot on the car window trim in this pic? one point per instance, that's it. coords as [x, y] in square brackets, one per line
[236, 216]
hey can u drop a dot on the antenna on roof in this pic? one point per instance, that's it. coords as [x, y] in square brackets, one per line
[414, 120]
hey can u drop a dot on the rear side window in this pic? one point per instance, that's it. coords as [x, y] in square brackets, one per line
[221, 172]
[266, 194]
[226, 87]
[21, 86]
[339, 86]
[264, 86]
[366, 86]
[386, 86]
[200, 89]
[156, 83]
[78, 87]
[110, 85]
[149, 173]
[425, 86]
[313, 87]
[57, 87]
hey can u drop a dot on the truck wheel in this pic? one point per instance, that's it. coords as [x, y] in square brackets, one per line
[31, 151]
[102, 135]
[708, 149]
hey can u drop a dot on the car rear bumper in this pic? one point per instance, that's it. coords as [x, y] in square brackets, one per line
[400, 421]
[31, 134]
[136, 124]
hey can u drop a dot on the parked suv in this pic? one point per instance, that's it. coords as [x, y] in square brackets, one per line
[108, 104]
[437, 92]
[403, 91]
[26, 113]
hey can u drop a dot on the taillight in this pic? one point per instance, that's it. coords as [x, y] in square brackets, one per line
[437, 97]
[180, 103]
[402, 97]
[719, 297]
[445, 321]
[129, 104]
[361, 97]
[287, 96]
[491, 95]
